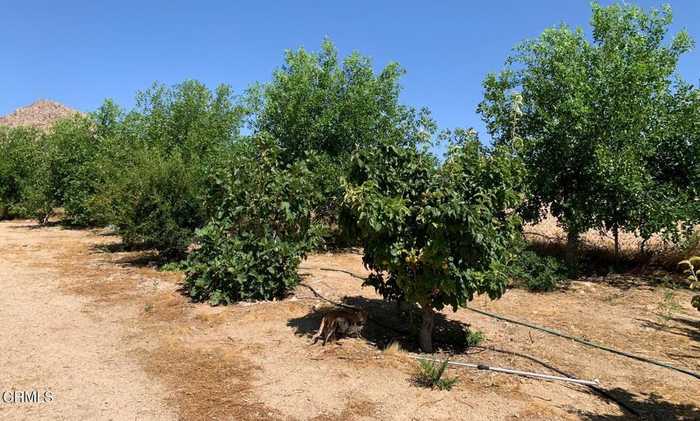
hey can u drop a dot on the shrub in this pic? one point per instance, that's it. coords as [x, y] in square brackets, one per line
[538, 273]
[436, 234]
[156, 201]
[72, 148]
[226, 268]
[156, 159]
[24, 189]
[261, 230]
[430, 374]
[691, 268]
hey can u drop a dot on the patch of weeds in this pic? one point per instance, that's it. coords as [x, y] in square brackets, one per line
[668, 305]
[148, 307]
[611, 298]
[691, 268]
[537, 273]
[177, 266]
[474, 338]
[430, 374]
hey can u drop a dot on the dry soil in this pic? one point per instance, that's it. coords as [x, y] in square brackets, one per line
[111, 337]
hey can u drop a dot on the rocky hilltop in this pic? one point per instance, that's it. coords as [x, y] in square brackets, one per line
[41, 114]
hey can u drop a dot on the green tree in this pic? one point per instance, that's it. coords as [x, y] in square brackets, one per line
[591, 117]
[321, 108]
[188, 117]
[436, 234]
[72, 148]
[157, 158]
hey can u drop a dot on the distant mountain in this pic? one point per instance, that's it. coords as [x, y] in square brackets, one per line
[42, 114]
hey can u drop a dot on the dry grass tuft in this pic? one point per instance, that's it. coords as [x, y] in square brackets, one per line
[165, 307]
[355, 409]
[597, 247]
[394, 350]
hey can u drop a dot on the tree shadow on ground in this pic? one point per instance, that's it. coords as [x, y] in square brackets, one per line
[347, 272]
[692, 330]
[388, 323]
[55, 221]
[137, 256]
[652, 407]
[36, 226]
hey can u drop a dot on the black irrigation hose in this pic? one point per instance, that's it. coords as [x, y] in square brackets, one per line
[599, 390]
[552, 332]
[588, 343]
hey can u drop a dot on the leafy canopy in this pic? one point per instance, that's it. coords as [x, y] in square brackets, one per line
[21, 166]
[436, 234]
[319, 107]
[317, 104]
[158, 158]
[593, 118]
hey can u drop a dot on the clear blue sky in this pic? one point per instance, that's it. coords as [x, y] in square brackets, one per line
[80, 52]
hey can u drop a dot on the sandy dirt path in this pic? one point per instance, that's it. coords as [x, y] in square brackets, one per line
[55, 344]
[111, 337]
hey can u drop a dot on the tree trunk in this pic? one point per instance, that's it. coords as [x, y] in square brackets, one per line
[572, 249]
[642, 246]
[425, 338]
[45, 218]
[403, 307]
[616, 235]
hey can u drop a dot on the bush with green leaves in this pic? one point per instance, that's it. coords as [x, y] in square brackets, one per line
[537, 273]
[156, 202]
[51, 169]
[72, 151]
[474, 338]
[261, 230]
[436, 233]
[156, 161]
[23, 178]
[603, 126]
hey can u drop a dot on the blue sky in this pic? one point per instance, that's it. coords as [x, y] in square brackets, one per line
[80, 52]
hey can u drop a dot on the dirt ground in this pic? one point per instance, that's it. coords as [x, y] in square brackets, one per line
[111, 337]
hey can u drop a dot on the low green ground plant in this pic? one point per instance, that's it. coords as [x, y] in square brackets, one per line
[432, 374]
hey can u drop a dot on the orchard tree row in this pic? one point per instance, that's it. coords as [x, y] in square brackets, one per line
[601, 132]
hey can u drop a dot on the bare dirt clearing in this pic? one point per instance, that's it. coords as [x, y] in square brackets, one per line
[113, 338]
